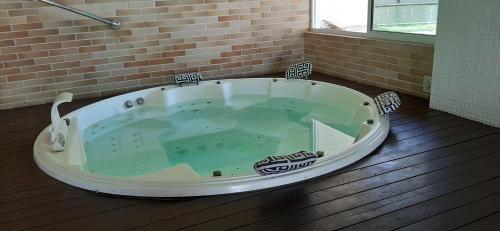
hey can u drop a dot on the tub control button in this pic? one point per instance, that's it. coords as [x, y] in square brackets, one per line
[140, 101]
[129, 104]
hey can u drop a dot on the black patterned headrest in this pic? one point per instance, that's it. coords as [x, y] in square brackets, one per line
[299, 71]
[188, 78]
[387, 102]
[281, 164]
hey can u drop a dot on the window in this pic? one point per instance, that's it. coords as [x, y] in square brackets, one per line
[405, 16]
[341, 15]
[409, 20]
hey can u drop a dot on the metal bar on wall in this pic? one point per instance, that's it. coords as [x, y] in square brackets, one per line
[114, 24]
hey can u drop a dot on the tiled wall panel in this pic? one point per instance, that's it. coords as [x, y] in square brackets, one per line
[45, 51]
[467, 71]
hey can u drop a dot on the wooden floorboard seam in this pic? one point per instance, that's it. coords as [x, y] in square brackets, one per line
[381, 221]
[495, 216]
[345, 219]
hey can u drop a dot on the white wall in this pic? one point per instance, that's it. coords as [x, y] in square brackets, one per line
[466, 75]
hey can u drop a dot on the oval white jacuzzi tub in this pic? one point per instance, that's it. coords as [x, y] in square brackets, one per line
[169, 145]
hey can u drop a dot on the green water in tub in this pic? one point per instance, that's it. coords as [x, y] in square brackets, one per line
[229, 135]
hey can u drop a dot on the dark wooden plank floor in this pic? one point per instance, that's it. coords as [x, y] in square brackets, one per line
[435, 171]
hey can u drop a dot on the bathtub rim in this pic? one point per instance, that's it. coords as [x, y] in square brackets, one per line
[202, 186]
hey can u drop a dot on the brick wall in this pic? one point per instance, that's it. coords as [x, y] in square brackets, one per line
[387, 64]
[45, 51]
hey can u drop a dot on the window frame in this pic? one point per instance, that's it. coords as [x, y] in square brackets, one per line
[386, 35]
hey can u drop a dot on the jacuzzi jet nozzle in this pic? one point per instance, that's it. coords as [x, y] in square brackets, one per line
[129, 104]
[217, 173]
[140, 101]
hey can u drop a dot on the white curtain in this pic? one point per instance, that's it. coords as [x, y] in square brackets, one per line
[466, 75]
